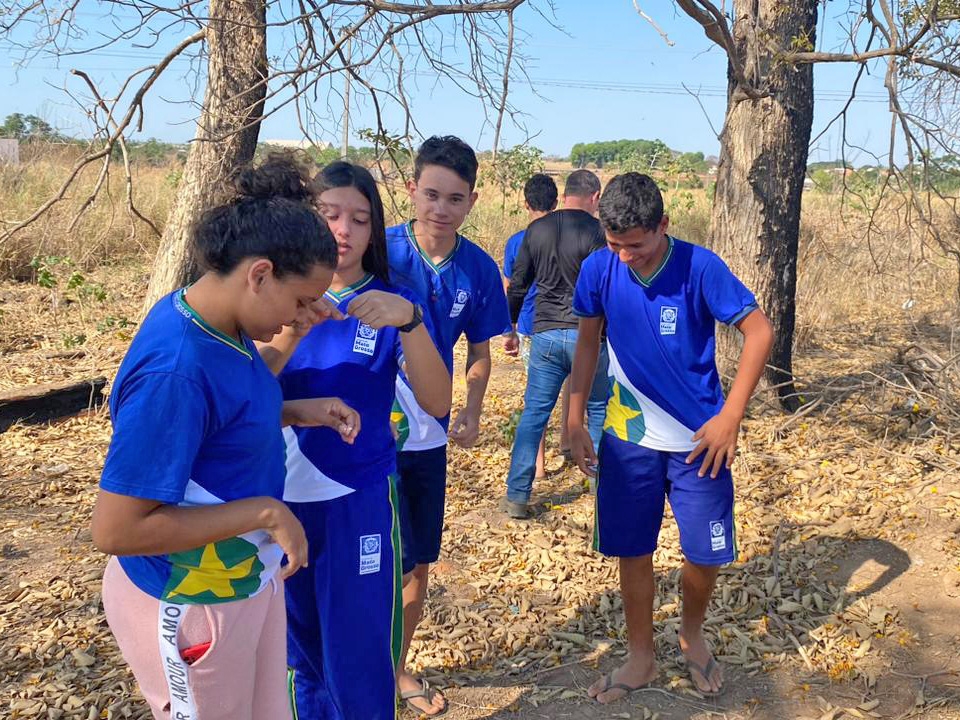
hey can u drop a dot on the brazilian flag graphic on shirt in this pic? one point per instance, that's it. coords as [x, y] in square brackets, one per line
[624, 416]
[218, 572]
[402, 424]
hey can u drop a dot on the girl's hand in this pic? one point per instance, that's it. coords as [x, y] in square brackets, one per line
[380, 309]
[323, 412]
[315, 313]
[288, 533]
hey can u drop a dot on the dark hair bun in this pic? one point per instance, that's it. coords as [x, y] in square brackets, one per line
[272, 216]
[279, 176]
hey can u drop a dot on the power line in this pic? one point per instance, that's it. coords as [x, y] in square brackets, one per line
[645, 88]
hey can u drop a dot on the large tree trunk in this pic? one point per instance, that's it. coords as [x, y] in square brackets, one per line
[226, 136]
[763, 160]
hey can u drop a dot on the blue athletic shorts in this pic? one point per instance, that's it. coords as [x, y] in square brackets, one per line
[632, 483]
[422, 488]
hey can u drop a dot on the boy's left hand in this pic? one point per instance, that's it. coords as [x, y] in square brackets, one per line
[718, 438]
[465, 429]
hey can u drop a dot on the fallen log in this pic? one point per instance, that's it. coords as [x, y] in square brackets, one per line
[40, 403]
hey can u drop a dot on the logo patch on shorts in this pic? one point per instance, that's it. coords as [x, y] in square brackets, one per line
[718, 540]
[459, 302]
[369, 554]
[366, 340]
[668, 320]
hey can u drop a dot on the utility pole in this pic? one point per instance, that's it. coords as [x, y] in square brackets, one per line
[345, 142]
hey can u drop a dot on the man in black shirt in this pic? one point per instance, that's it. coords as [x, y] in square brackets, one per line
[553, 249]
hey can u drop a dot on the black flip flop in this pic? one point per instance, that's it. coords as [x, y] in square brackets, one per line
[427, 693]
[609, 684]
[705, 672]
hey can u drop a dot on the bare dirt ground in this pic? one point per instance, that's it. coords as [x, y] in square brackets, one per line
[843, 604]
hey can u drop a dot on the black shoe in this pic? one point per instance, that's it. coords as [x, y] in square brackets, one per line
[517, 511]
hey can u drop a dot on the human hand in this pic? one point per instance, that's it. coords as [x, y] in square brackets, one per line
[380, 309]
[288, 533]
[511, 344]
[718, 439]
[581, 449]
[315, 313]
[465, 429]
[326, 412]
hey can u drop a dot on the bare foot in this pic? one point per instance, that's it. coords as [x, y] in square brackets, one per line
[431, 704]
[705, 673]
[634, 674]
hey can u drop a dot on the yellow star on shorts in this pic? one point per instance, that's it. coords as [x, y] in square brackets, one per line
[212, 575]
[622, 413]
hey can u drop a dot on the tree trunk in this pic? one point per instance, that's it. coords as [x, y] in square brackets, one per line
[763, 160]
[226, 136]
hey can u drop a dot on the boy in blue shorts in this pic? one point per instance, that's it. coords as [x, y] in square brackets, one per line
[460, 289]
[669, 432]
[540, 197]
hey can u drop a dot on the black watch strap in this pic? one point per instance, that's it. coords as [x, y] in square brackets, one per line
[417, 320]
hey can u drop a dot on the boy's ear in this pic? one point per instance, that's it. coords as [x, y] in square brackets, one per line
[411, 186]
[473, 199]
[664, 222]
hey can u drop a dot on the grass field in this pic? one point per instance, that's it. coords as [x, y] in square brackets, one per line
[843, 603]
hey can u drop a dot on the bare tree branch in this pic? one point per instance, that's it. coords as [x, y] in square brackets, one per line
[506, 87]
[653, 24]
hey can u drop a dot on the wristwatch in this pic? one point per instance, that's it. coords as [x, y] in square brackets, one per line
[417, 320]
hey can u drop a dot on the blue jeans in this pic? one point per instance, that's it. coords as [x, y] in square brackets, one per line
[551, 359]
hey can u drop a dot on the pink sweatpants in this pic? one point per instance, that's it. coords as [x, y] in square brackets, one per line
[243, 676]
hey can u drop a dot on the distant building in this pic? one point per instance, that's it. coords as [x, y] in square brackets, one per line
[10, 151]
[298, 144]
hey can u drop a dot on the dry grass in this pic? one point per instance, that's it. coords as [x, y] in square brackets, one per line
[103, 234]
[844, 272]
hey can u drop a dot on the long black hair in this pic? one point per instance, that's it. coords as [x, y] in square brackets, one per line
[272, 215]
[345, 174]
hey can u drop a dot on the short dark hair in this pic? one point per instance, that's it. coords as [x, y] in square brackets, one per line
[581, 183]
[540, 192]
[631, 200]
[345, 174]
[450, 152]
[271, 216]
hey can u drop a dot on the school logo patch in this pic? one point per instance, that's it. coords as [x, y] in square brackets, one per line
[369, 554]
[668, 320]
[459, 302]
[718, 541]
[366, 339]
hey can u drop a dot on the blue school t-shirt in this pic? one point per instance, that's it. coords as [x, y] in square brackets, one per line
[462, 294]
[660, 336]
[525, 321]
[353, 361]
[196, 421]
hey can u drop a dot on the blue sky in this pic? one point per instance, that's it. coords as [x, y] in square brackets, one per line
[606, 74]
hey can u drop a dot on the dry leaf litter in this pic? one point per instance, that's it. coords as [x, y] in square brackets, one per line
[870, 455]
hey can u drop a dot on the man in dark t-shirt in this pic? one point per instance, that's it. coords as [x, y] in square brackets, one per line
[553, 249]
